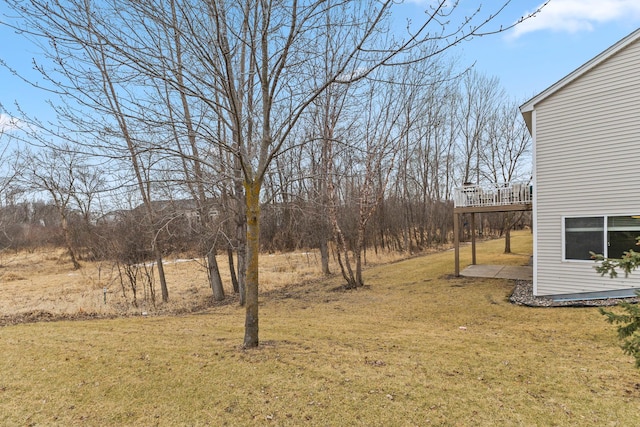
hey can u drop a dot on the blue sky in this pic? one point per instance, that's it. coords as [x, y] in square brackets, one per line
[544, 49]
[527, 59]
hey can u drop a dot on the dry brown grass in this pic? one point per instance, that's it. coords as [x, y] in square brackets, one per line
[44, 281]
[392, 353]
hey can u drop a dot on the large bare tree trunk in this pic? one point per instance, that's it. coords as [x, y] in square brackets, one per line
[252, 190]
[324, 255]
[163, 281]
[214, 276]
[241, 234]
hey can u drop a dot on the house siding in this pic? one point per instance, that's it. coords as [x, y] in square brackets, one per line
[587, 151]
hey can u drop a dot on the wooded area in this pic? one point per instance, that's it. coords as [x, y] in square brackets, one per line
[248, 126]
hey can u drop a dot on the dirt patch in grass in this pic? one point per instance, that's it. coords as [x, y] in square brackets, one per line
[46, 316]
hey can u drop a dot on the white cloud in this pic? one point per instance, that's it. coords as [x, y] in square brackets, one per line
[8, 123]
[572, 16]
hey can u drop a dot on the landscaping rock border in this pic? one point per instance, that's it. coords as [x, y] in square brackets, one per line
[523, 295]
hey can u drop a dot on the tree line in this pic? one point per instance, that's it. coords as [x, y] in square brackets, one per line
[241, 126]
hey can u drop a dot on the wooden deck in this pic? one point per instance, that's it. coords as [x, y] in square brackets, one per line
[475, 199]
[499, 197]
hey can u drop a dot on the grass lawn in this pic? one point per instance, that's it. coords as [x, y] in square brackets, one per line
[415, 347]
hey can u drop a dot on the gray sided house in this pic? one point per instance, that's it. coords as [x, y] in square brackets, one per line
[586, 159]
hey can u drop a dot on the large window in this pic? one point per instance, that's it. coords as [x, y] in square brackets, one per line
[583, 235]
[610, 236]
[622, 232]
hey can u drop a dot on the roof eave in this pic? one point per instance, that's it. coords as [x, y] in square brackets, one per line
[527, 116]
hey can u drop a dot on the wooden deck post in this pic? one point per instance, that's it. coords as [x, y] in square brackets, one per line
[473, 238]
[456, 241]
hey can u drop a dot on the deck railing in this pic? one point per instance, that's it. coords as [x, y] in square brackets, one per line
[500, 194]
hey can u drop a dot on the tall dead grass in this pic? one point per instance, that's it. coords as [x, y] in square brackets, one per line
[44, 281]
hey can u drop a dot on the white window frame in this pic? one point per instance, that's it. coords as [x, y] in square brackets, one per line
[564, 236]
[605, 235]
[614, 228]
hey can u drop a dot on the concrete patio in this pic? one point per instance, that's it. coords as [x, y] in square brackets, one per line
[515, 272]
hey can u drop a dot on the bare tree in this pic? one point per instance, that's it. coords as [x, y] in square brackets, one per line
[421, 179]
[254, 62]
[375, 148]
[506, 147]
[181, 123]
[55, 172]
[478, 97]
[96, 99]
